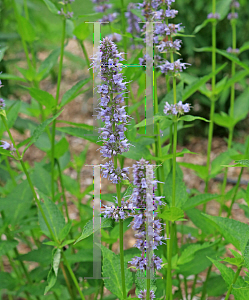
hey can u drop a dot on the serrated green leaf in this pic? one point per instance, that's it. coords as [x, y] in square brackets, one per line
[220, 160]
[200, 170]
[112, 270]
[88, 228]
[48, 64]
[6, 246]
[198, 200]
[234, 261]
[52, 275]
[25, 29]
[206, 226]
[54, 217]
[43, 97]
[188, 253]
[234, 231]
[7, 281]
[172, 214]
[80, 132]
[65, 231]
[241, 107]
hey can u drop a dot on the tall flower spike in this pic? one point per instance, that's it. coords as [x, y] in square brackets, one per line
[138, 200]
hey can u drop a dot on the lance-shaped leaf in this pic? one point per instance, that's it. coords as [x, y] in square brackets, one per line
[43, 97]
[52, 275]
[189, 118]
[172, 214]
[39, 130]
[50, 5]
[88, 228]
[198, 200]
[54, 217]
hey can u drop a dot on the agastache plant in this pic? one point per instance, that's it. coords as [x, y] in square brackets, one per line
[142, 221]
[113, 114]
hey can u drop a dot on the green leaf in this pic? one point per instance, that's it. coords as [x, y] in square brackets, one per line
[41, 179]
[206, 226]
[198, 200]
[60, 148]
[48, 64]
[6, 246]
[71, 185]
[43, 97]
[88, 228]
[7, 281]
[2, 51]
[188, 253]
[181, 195]
[241, 107]
[25, 29]
[230, 56]
[199, 27]
[137, 151]
[54, 217]
[236, 78]
[72, 93]
[189, 118]
[191, 89]
[20, 199]
[222, 8]
[12, 113]
[112, 270]
[234, 261]
[172, 214]
[50, 5]
[244, 47]
[11, 77]
[220, 85]
[42, 255]
[52, 275]
[82, 31]
[80, 132]
[220, 160]
[39, 130]
[235, 232]
[224, 120]
[65, 231]
[228, 275]
[200, 170]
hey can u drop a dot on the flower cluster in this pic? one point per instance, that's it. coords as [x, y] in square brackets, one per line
[101, 7]
[138, 199]
[233, 51]
[68, 14]
[115, 37]
[7, 146]
[126, 210]
[213, 16]
[112, 90]
[235, 4]
[174, 109]
[142, 294]
[1, 84]
[2, 104]
[114, 175]
[132, 21]
[174, 67]
[231, 16]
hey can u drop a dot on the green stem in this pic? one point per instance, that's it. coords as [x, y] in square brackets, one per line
[29, 180]
[231, 114]
[193, 288]
[56, 100]
[86, 57]
[234, 280]
[10, 170]
[73, 276]
[204, 289]
[169, 279]
[186, 287]
[235, 192]
[67, 281]
[121, 235]
[123, 27]
[212, 109]
[63, 189]
[148, 284]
